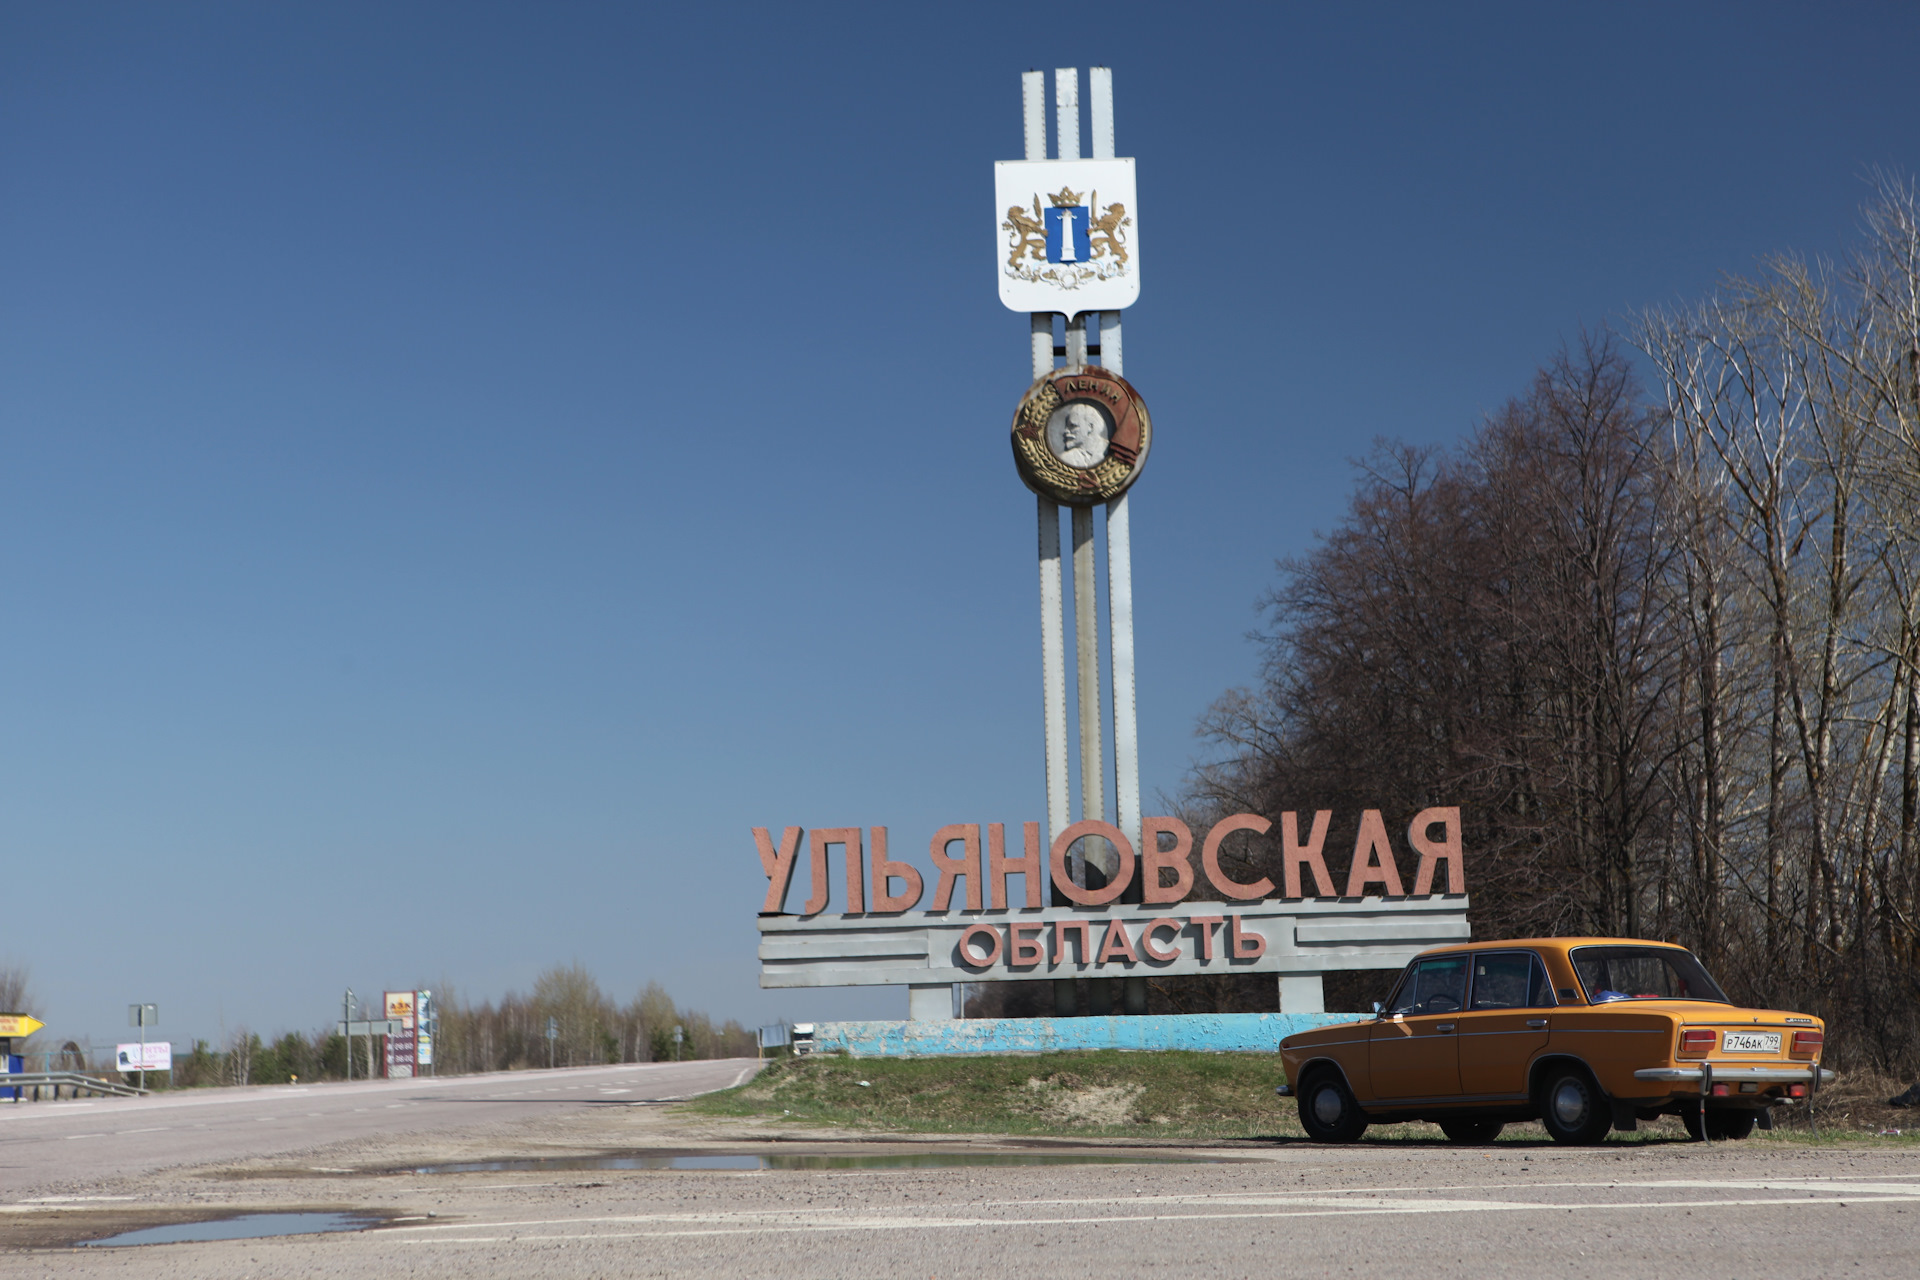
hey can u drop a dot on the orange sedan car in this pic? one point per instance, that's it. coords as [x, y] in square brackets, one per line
[1585, 1035]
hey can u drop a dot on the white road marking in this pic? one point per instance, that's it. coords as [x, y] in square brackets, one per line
[1667, 1184]
[531, 1232]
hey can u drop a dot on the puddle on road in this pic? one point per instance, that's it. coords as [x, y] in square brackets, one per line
[245, 1226]
[899, 1160]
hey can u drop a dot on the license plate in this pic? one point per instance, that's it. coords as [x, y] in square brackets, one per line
[1750, 1041]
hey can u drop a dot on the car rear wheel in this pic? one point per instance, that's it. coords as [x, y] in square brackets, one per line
[1572, 1108]
[1327, 1110]
[1471, 1133]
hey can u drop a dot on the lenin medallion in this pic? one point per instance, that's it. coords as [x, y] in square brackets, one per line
[1080, 435]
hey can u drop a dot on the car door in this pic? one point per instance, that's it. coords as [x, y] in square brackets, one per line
[1504, 1025]
[1411, 1053]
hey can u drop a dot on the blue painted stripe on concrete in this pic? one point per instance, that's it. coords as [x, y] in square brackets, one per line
[1205, 1032]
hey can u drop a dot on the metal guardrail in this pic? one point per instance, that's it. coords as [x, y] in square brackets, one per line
[74, 1079]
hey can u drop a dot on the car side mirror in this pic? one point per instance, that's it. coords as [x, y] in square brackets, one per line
[1379, 1010]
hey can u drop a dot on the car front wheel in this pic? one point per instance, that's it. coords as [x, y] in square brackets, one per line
[1327, 1110]
[1573, 1109]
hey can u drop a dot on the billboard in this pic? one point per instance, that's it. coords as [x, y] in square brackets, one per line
[154, 1056]
[401, 1057]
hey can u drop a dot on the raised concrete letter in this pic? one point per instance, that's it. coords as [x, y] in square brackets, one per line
[1122, 878]
[1152, 948]
[885, 872]
[1432, 852]
[1294, 855]
[1373, 859]
[979, 932]
[1205, 924]
[778, 864]
[966, 866]
[1060, 928]
[1000, 866]
[1116, 945]
[1023, 950]
[1210, 856]
[1154, 860]
[856, 873]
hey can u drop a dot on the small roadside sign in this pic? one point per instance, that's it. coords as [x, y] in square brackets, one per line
[18, 1024]
[157, 1056]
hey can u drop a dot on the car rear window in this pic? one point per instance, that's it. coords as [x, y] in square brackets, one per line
[1643, 973]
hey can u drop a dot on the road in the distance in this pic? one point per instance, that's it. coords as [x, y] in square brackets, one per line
[45, 1146]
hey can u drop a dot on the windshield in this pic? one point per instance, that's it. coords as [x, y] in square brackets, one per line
[1643, 973]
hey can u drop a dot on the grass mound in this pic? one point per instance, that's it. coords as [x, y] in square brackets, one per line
[1101, 1093]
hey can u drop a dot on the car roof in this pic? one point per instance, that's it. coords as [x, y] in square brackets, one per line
[1550, 944]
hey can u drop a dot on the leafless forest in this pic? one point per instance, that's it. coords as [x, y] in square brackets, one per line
[1658, 635]
[592, 1027]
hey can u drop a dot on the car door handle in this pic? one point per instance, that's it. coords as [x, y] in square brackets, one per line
[1538, 1024]
[1443, 1028]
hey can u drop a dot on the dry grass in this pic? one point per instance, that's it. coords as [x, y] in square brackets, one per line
[1171, 1096]
[1094, 1094]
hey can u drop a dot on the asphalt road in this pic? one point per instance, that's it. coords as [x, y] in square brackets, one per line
[1765, 1207]
[46, 1146]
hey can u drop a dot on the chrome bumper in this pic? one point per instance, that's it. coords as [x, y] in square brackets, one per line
[1723, 1074]
[1284, 1090]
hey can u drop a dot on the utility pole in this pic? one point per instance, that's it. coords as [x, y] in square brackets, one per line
[143, 1016]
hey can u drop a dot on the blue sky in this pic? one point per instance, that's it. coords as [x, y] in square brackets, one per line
[465, 465]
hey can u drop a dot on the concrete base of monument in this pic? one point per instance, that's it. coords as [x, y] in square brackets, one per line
[1203, 1032]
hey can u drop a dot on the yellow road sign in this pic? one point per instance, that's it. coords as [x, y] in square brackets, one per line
[19, 1024]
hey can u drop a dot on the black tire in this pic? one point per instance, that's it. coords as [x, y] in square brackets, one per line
[1471, 1133]
[1573, 1110]
[1327, 1110]
[1724, 1124]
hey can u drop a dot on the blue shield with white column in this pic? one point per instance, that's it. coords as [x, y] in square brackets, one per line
[1068, 233]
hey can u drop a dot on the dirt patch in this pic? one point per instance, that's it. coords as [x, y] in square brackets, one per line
[1066, 1099]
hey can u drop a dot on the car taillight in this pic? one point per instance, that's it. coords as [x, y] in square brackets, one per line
[1808, 1042]
[1697, 1040]
[1796, 1091]
[1721, 1090]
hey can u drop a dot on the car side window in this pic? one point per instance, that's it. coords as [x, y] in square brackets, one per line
[1541, 994]
[1401, 1001]
[1501, 979]
[1510, 980]
[1435, 986]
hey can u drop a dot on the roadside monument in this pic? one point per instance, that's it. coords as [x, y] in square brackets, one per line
[1105, 891]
